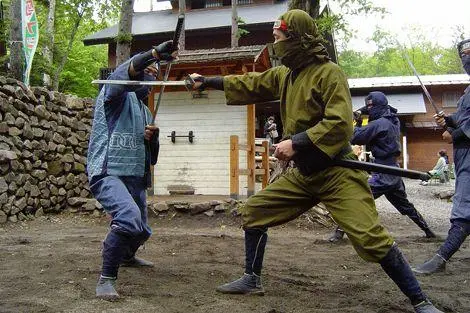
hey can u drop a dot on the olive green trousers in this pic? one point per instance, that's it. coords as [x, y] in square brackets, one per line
[346, 195]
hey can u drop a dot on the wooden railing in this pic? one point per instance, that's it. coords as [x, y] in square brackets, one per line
[251, 171]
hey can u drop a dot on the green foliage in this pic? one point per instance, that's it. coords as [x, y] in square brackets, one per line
[241, 31]
[389, 59]
[123, 38]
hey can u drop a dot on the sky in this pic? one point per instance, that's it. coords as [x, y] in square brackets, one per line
[438, 19]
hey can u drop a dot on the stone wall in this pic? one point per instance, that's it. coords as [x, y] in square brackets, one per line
[43, 145]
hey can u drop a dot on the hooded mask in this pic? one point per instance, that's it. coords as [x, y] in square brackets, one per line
[142, 92]
[464, 45]
[379, 107]
[303, 44]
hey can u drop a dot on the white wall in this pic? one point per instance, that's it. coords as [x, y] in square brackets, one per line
[203, 164]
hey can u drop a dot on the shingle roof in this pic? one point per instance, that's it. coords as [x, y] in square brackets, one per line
[399, 81]
[145, 23]
[214, 55]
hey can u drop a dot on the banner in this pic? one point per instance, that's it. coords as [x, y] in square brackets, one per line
[30, 28]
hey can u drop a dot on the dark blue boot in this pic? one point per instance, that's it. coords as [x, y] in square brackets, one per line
[250, 282]
[130, 260]
[398, 269]
[457, 235]
[114, 249]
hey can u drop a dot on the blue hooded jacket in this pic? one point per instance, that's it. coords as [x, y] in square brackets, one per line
[117, 146]
[382, 137]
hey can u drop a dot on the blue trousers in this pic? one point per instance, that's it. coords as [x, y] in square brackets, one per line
[123, 198]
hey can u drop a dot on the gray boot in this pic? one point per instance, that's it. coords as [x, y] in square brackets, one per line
[105, 289]
[247, 284]
[136, 262]
[426, 307]
[337, 235]
[434, 265]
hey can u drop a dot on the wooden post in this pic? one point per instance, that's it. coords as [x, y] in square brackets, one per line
[234, 167]
[151, 106]
[250, 156]
[265, 163]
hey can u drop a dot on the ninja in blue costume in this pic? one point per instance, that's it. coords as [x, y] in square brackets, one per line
[457, 132]
[123, 145]
[382, 137]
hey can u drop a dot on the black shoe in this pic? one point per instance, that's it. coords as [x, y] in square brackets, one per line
[434, 265]
[426, 307]
[247, 284]
[136, 262]
[105, 289]
[337, 235]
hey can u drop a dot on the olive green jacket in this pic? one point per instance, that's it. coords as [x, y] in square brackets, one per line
[317, 102]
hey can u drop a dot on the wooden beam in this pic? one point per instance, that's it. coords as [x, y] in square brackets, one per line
[265, 164]
[234, 167]
[250, 140]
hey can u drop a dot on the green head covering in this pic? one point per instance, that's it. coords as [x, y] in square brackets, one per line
[304, 43]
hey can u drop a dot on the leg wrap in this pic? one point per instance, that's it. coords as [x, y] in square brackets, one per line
[255, 243]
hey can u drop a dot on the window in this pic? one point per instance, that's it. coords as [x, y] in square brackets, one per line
[214, 3]
[450, 99]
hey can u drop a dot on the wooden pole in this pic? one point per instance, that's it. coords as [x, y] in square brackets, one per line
[151, 106]
[265, 163]
[250, 156]
[234, 167]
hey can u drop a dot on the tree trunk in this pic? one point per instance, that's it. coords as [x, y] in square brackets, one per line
[124, 37]
[234, 24]
[60, 68]
[48, 48]
[312, 7]
[17, 58]
[182, 10]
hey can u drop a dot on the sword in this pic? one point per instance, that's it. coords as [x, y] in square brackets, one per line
[188, 82]
[176, 38]
[425, 90]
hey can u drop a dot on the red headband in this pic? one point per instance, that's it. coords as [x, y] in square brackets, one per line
[281, 25]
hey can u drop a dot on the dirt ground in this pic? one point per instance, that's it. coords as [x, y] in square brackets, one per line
[51, 265]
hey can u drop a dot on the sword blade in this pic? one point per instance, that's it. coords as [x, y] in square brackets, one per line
[141, 83]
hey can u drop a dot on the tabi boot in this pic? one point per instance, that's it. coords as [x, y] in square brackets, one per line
[247, 284]
[105, 288]
[426, 307]
[398, 269]
[250, 282]
[114, 249]
[337, 235]
[433, 265]
[136, 262]
[419, 220]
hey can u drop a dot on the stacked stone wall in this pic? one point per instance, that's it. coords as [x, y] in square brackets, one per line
[43, 146]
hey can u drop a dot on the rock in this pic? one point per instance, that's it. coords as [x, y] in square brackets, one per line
[39, 213]
[13, 131]
[209, 213]
[196, 208]
[3, 217]
[76, 201]
[13, 218]
[161, 207]
[180, 190]
[3, 185]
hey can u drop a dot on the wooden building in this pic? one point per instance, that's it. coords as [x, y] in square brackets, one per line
[202, 163]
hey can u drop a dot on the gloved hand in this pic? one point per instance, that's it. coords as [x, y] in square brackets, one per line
[200, 81]
[358, 118]
[165, 50]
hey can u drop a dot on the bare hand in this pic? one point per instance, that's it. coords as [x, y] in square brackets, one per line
[447, 137]
[284, 150]
[440, 119]
[149, 131]
[197, 81]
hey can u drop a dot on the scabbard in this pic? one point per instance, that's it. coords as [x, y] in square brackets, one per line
[379, 168]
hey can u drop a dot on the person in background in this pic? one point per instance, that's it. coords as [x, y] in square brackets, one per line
[382, 136]
[123, 145]
[457, 132]
[440, 168]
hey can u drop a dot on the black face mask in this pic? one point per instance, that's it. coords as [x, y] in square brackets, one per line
[466, 63]
[142, 92]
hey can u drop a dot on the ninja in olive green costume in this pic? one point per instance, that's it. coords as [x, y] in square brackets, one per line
[316, 114]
